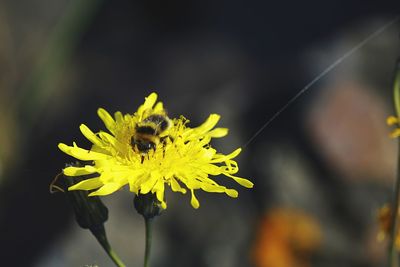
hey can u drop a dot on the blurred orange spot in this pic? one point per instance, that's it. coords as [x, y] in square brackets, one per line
[285, 238]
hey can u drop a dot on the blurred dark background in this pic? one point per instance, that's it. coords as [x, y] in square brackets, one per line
[321, 169]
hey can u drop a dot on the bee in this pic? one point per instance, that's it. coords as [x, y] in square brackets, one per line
[147, 132]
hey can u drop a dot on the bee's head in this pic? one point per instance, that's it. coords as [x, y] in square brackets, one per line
[142, 146]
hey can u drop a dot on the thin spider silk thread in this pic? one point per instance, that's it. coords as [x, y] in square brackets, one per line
[321, 75]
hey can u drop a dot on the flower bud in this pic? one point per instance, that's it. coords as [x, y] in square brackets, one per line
[147, 205]
[90, 212]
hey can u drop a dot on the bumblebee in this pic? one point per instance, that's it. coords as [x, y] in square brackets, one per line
[147, 132]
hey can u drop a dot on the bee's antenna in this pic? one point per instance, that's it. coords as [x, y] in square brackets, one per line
[322, 75]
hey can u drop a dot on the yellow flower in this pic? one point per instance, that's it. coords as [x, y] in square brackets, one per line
[392, 120]
[181, 156]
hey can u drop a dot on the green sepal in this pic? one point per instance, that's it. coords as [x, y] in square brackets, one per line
[90, 212]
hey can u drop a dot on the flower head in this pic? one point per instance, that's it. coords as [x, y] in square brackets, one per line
[148, 151]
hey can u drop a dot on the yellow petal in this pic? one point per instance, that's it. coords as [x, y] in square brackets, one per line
[148, 185]
[106, 189]
[194, 201]
[213, 188]
[176, 187]
[205, 140]
[79, 171]
[159, 108]
[118, 117]
[207, 153]
[222, 157]
[218, 132]
[232, 193]
[191, 183]
[80, 153]
[87, 184]
[90, 135]
[109, 138]
[211, 169]
[133, 188]
[150, 100]
[159, 190]
[242, 181]
[200, 131]
[148, 104]
[231, 167]
[107, 119]
[210, 122]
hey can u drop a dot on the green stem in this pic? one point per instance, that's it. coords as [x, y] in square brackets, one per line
[396, 89]
[149, 233]
[100, 235]
[393, 255]
[114, 257]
